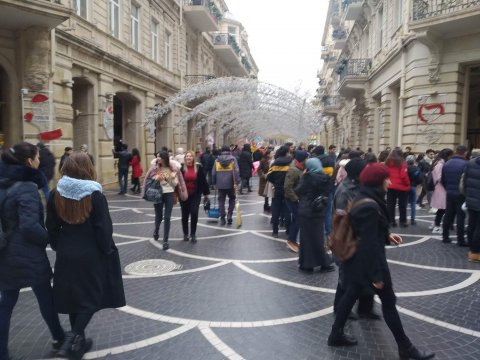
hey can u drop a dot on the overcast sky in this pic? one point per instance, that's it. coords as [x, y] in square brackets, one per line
[285, 39]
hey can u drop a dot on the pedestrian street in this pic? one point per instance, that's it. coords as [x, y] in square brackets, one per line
[237, 294]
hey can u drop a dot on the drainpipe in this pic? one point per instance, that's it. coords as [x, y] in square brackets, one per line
[402, 98]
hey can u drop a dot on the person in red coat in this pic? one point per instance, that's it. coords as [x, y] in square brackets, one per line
[399, 187]
[136, 163]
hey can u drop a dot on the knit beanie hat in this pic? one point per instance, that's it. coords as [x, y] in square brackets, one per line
[374, 174]
[354, 167]
[301, 155]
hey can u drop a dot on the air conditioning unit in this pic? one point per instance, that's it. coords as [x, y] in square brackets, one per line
[220, 39]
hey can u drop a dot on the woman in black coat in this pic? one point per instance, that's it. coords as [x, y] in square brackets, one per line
[87, 275]
[368, 267]
[24, 261]
[311, 223]
[196, 183]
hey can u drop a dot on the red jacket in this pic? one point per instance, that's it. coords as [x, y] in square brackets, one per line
[399, 177]
[136, 167]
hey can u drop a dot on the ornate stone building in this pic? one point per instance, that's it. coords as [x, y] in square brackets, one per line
[401, 73]
[91, 70]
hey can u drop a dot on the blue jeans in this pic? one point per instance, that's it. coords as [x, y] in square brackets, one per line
[293, 228]
[8, 299]
[329, 215]
[412, 200]
[279, 209]
[167, 201]
[123, 180]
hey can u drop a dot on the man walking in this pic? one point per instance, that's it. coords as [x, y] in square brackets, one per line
[124, 158]
[451, 174]
[225, 176]
[207, 159]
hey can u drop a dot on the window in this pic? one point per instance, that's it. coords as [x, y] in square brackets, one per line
[380, 28]
[134, 18]
[399, 12]
[168, 49]
[154, 39]
[80, 8]
[114, 17]
[232, 30]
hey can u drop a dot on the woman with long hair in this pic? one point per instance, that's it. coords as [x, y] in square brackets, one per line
[136, 163]
[439, 196]
[196, 183]
[262, 176]
[168, 174]
[87, 276]
[399, 187]
[23, 261]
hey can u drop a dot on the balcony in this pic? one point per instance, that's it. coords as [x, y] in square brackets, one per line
[226, 47]
[17, 15]
[353, 74]
[353, 9]
[339, 36]
[202, 15]
[325, 52]
[331, 104]
[190, 80]
[445, 17]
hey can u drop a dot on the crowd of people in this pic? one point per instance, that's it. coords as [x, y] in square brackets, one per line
[302, 189]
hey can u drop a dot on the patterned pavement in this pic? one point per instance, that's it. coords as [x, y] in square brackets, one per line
[237, 294]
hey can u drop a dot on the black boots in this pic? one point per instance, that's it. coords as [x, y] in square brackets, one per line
[193, 239]
[74, 346]
[339, 338]
[413, 353]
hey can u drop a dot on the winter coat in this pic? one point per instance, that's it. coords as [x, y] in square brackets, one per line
[415, 175]
[471, 185]
[225, 172]
[399, 176]
[24, 261]
[136, 167]
[207, 159]
[245, 164]
[311, 185]
[276, 175]
[291, 181]
[178, 179]
[257, 155]
[88, 275]
[345, 192]
[370, 226]
[201, 184]
[262, 175]
[123, 157]
[47, 162]
[439, 196]
[328, 163]
[452, 173]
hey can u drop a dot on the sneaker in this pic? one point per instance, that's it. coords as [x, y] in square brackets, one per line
[166, 246]
[413, 222]
[229, 221]
[431, 226]
[193, 239]
[432, 210]
[328, 268]
[437, 230]
[222, 220]
[293, 246]
[185, 238]
[418, 207]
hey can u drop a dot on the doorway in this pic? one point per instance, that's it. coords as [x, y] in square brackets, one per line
[126, 116]
[83, 113]
[4, 107]
[473, 120]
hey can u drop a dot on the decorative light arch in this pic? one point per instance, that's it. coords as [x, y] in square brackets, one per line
[244, 107]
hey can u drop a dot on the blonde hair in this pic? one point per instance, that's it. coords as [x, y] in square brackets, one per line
[193, 155]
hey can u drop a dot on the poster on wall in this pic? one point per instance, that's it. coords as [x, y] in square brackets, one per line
[430, 113]
[37, 110]
[108, 121]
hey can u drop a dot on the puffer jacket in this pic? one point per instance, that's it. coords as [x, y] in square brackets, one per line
[24, 261]
[276, 175]
[452, 173]
[399, 177]
[225, 173]
[472, 184]
[292, 179]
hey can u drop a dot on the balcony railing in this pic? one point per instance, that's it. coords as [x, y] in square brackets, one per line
[353, 68]
[425, 9]
[339, 34]
[330, 102]
[196, 79]
[226, 39]
[208, 4]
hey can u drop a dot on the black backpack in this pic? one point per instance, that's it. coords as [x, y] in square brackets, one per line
[429, 183]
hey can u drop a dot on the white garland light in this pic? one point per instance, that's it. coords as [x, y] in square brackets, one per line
[245, 107]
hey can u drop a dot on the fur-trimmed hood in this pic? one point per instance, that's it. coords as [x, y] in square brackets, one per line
[9, 174]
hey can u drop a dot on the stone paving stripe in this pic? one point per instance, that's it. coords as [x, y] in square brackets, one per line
[218, 344]
[433, 267]
[138, 344]
[419, 241]
[232, 324]
[180, 272]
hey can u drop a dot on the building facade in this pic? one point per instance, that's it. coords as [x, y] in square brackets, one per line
[76, 72]
[401, 73]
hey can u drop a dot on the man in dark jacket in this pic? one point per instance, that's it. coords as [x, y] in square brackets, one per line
[245, 164]
[124, 158]
[225, 176]
[207, 159]
[276, 175]
[451, 174]
[68, 150]
[47, 166]
[471, 187]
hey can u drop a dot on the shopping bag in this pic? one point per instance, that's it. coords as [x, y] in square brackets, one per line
[213, 212]
[238, 214]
